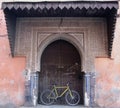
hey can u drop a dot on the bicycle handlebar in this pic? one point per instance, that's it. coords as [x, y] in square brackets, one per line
[57, 84]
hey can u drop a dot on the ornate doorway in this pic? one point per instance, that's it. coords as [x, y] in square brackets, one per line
[61, 64]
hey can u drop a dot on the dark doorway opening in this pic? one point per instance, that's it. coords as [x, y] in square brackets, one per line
[61, 64]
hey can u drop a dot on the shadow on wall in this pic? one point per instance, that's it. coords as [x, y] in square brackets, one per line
[11, 71]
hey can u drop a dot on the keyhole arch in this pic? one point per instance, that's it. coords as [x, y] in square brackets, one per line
[66, 37]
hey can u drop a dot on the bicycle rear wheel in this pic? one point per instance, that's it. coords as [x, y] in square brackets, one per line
[74, 99]
[46, 97]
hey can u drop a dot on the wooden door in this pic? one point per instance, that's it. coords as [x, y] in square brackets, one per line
[61, 64]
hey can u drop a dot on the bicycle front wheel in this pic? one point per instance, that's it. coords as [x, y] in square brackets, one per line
[46, 97]
[74, 99]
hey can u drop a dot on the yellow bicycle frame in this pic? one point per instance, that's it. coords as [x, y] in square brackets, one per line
[54, 90]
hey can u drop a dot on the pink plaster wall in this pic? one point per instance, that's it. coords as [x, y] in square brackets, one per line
[11, 70]
[107, 89]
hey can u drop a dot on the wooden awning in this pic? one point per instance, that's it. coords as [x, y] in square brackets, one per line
[60, 5]
[59, 9]
[13, 10]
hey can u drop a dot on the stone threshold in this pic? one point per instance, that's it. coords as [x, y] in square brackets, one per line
[58, 106]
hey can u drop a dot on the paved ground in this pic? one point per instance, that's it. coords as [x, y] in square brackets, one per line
[56, 106]
[9, 105]
[59, 106]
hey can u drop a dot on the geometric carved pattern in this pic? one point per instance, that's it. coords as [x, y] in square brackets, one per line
[89, 35]
[79, 37]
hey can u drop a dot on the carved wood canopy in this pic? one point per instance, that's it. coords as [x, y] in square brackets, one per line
[13, 10]
[59, 5]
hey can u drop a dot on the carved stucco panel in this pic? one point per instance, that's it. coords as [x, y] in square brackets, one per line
[79, 37]
[41, 37]
[89, 32]
[23, 42]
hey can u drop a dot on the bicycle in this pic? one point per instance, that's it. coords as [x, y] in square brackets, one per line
[72, 97]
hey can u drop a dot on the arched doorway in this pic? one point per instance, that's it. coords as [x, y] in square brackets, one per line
[61, 64]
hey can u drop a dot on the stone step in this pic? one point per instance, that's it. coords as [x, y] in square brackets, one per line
[58, 106]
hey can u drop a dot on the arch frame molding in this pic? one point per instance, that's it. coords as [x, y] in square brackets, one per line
[61, 36]
[44, 38]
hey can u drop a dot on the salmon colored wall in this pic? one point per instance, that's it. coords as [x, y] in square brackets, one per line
[107, 89]
[11, 70]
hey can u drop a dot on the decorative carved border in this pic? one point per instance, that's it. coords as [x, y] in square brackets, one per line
[33, 28]
[43, 39]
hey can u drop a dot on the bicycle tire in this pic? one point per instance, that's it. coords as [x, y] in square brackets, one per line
[72, 101]
[45, 99]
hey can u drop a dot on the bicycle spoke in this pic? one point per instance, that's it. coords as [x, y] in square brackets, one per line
[74, 99]
[46, 97]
